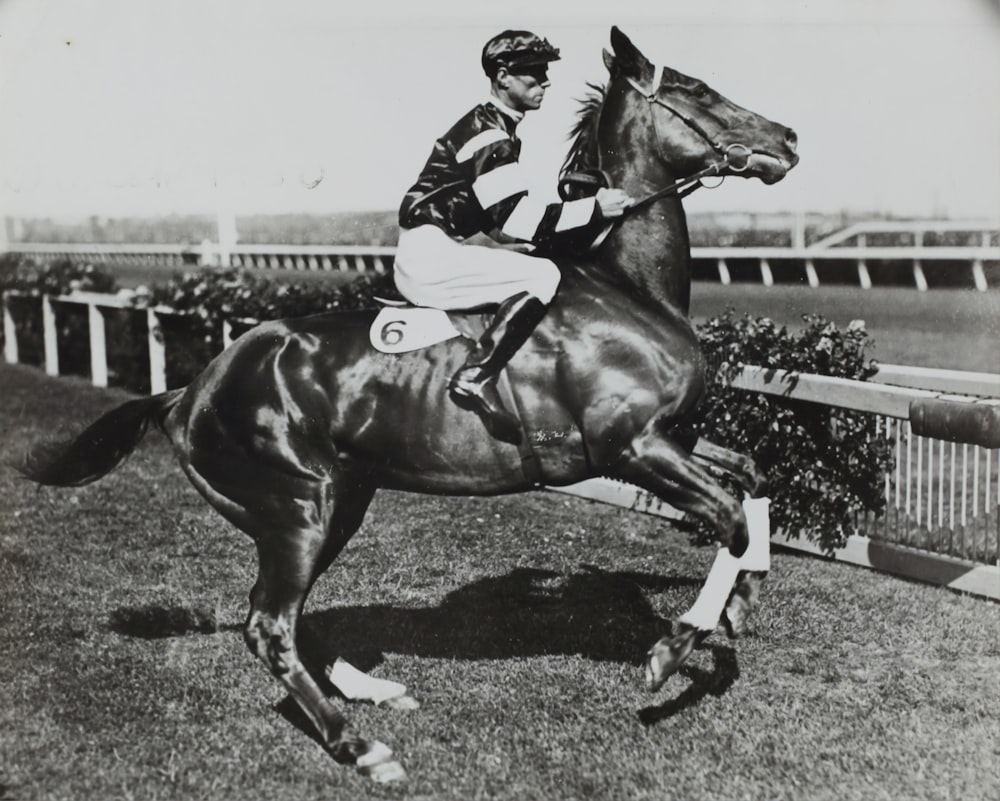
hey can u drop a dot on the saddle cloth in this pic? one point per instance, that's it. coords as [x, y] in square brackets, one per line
[399, 327]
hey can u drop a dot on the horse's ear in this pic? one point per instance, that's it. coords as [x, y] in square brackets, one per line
[627, 59]
[609, 61]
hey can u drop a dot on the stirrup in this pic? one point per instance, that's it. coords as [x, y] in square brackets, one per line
[474, 396]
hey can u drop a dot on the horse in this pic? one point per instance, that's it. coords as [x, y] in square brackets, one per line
[290, 431]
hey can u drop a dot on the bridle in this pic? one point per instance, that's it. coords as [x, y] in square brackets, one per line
[735, 156]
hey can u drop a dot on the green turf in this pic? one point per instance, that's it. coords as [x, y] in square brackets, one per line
[950, 328]
[519, 623]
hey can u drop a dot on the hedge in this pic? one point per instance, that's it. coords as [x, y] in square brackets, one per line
[825, 466]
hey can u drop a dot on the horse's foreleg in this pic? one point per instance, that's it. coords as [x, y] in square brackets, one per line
[755, 563]
[661, 466]
[737, 466]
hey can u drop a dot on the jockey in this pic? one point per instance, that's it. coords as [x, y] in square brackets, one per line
[472, 184]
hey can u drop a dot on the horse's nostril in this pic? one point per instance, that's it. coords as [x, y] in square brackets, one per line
[791, 139]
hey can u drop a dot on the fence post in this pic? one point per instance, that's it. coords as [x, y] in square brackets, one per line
[766, 276]
[979, 275]
[157, 354]
[50, 337]
[864, 277]
[9, 333]
[811, 274]
[98, 346]
[724, 278]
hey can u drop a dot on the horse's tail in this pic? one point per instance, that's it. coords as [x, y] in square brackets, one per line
[101, 447]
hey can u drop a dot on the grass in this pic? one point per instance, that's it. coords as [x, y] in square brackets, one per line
[952, 328]
[520, 623]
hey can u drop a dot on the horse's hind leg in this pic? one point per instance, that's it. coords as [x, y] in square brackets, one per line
[291, 559]
[348, 514]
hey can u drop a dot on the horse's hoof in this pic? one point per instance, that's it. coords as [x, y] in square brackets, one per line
[666, 657]
[735, 617]
[402, 703]
[739, 608]
[378, 764]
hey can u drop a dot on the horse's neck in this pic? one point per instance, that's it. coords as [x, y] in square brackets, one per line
[651, 251]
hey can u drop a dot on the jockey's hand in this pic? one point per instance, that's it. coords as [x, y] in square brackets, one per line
[613, 202]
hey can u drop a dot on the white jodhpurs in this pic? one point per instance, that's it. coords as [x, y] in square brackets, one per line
[434, 270]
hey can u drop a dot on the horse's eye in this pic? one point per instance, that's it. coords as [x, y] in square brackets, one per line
[701, 91]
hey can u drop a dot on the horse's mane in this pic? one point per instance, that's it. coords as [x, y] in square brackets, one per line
[583, 150]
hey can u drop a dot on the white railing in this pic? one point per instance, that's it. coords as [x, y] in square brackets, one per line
[96, 303]
[943, 486]
[941, 496]
[807, 261]
[330, 258]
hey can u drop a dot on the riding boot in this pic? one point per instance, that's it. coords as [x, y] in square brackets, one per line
[474, 388]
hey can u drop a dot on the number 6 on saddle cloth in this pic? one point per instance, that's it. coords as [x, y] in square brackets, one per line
[400, 327]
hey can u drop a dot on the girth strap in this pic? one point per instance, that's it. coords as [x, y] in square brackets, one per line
[531, 466]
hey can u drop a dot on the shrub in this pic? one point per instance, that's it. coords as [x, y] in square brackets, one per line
[58, 278]
[61, 278]
[825, 465]
[208, 298]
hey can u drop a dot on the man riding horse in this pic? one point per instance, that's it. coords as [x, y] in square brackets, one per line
[292, 430]
[472, 183]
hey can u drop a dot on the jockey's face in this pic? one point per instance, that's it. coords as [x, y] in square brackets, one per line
[524, 89]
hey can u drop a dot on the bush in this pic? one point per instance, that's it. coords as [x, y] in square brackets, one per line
[61, 278]
[825, 465]
[208, 298]
[58, 278]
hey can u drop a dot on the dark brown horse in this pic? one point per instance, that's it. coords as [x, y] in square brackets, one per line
[290, 432]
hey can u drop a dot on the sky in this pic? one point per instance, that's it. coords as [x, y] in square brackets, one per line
[146, 107]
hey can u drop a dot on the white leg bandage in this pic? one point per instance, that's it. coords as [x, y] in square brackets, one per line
[758, 553]
[707, 609]
[358, 686]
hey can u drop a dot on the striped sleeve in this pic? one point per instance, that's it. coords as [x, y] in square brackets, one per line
[501, 188]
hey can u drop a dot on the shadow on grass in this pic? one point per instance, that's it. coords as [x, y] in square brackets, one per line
[154, 622]
[600, 615]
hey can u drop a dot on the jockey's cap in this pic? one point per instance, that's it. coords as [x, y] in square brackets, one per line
[514, 49]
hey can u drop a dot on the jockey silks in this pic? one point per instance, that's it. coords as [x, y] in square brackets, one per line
[473, 183]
